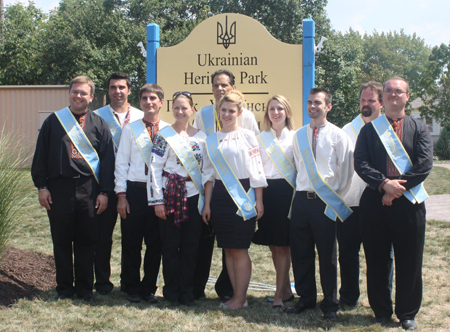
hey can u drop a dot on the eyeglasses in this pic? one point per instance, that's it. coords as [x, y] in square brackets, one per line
[395, 92]
[184, 93]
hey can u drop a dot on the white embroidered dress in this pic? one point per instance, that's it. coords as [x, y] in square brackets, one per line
[240, 149]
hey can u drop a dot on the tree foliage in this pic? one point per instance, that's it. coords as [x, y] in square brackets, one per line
[21, 57]
[442, 148]
[436, 86]
[338, 69]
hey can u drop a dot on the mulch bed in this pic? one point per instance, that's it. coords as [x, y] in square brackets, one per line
[24, 274]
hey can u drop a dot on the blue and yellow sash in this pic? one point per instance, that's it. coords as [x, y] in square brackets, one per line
[208, 118]
[336, 207]
[357, 124]
[243, 200]
[79, 140]
[143, 139]
[187, 158]
[279, 158]
[114, 126]
[399, 156]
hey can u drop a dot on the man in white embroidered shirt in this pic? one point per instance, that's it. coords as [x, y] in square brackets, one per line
[348, 233]
[138, 220]
[207, 120]
[117, 115]
[323, 156]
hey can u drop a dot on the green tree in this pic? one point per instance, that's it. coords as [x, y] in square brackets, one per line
[442, 148]
[395, 54]
[436, 86]
[338, 69]
[21, 58]
[282, 18]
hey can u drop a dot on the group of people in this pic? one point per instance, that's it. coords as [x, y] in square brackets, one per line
[179, 186]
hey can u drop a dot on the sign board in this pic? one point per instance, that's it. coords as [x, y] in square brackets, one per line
[262, 65]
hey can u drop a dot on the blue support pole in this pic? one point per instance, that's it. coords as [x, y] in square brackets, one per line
[309, 64]
[153, 38]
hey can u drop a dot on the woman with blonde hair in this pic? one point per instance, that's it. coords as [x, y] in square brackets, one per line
[234, 178]
[276, 144]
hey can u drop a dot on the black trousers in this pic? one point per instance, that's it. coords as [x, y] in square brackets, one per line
[141, 224]
[349, 239]
[102, 265]
[310, 228]
[223, 285]
[401, 226]
[179, 253]
[74, 226]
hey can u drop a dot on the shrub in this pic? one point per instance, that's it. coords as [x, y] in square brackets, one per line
[12, 180]
[442, 147]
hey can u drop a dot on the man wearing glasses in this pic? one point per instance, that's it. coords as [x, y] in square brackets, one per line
[138, 220]
[394, 155]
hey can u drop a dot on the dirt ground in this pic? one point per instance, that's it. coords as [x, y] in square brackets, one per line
[24, 274]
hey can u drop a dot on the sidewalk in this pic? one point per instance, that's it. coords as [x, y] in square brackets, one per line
[438, 206]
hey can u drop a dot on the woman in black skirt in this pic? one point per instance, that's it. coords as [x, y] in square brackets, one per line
[273, 227]
[240, 151]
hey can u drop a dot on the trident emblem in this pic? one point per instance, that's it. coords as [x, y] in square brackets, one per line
[226, 39]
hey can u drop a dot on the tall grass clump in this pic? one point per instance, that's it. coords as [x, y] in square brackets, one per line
[12, 184]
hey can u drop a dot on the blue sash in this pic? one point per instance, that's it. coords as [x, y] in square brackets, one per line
[209, 119]
[357, 124]
[279, 159]
[143, 139]
[243, 200]
[336, 207]
[187, 158]
[107, 114]
[79, 140]
[399, 156]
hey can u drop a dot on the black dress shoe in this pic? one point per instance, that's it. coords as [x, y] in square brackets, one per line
[298, 308]
[329, 316]
[89, 298]
[150, 298]
[381, 320]
[134, 298]
[64, 296]
[409, 324]
[103, 292]
[188, 303]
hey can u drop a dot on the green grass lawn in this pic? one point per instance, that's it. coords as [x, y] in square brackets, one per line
[115, 313]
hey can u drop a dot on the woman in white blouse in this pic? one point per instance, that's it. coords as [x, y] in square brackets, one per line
[273, 227]
[240, 151]
[174, 192]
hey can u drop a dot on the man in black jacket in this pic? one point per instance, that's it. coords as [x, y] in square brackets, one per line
[391, 214]
[73, 168]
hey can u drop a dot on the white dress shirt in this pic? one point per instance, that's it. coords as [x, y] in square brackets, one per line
[285, 141]
[334, 159]
[165, 159]
[240, 149]
[130, 165]
[358, 185]
[246, 120]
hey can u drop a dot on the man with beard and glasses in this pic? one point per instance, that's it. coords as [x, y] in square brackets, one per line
[348, 234]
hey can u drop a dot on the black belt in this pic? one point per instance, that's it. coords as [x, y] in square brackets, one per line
[309, 194]
[137, 184]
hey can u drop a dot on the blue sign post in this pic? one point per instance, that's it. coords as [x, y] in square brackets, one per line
[153, 38]
[309, 64]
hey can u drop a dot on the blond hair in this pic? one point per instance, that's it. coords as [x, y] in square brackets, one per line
[234, 97]
[267, 124]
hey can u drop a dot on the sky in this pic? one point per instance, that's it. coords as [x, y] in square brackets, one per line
[427, 18]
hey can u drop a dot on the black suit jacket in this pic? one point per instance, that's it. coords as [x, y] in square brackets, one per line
[371, 156]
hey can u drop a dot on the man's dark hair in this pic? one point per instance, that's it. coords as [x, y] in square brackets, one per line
[328, 96]
[375, 87]
[226, 72]
[118, 75]
[149, 87]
